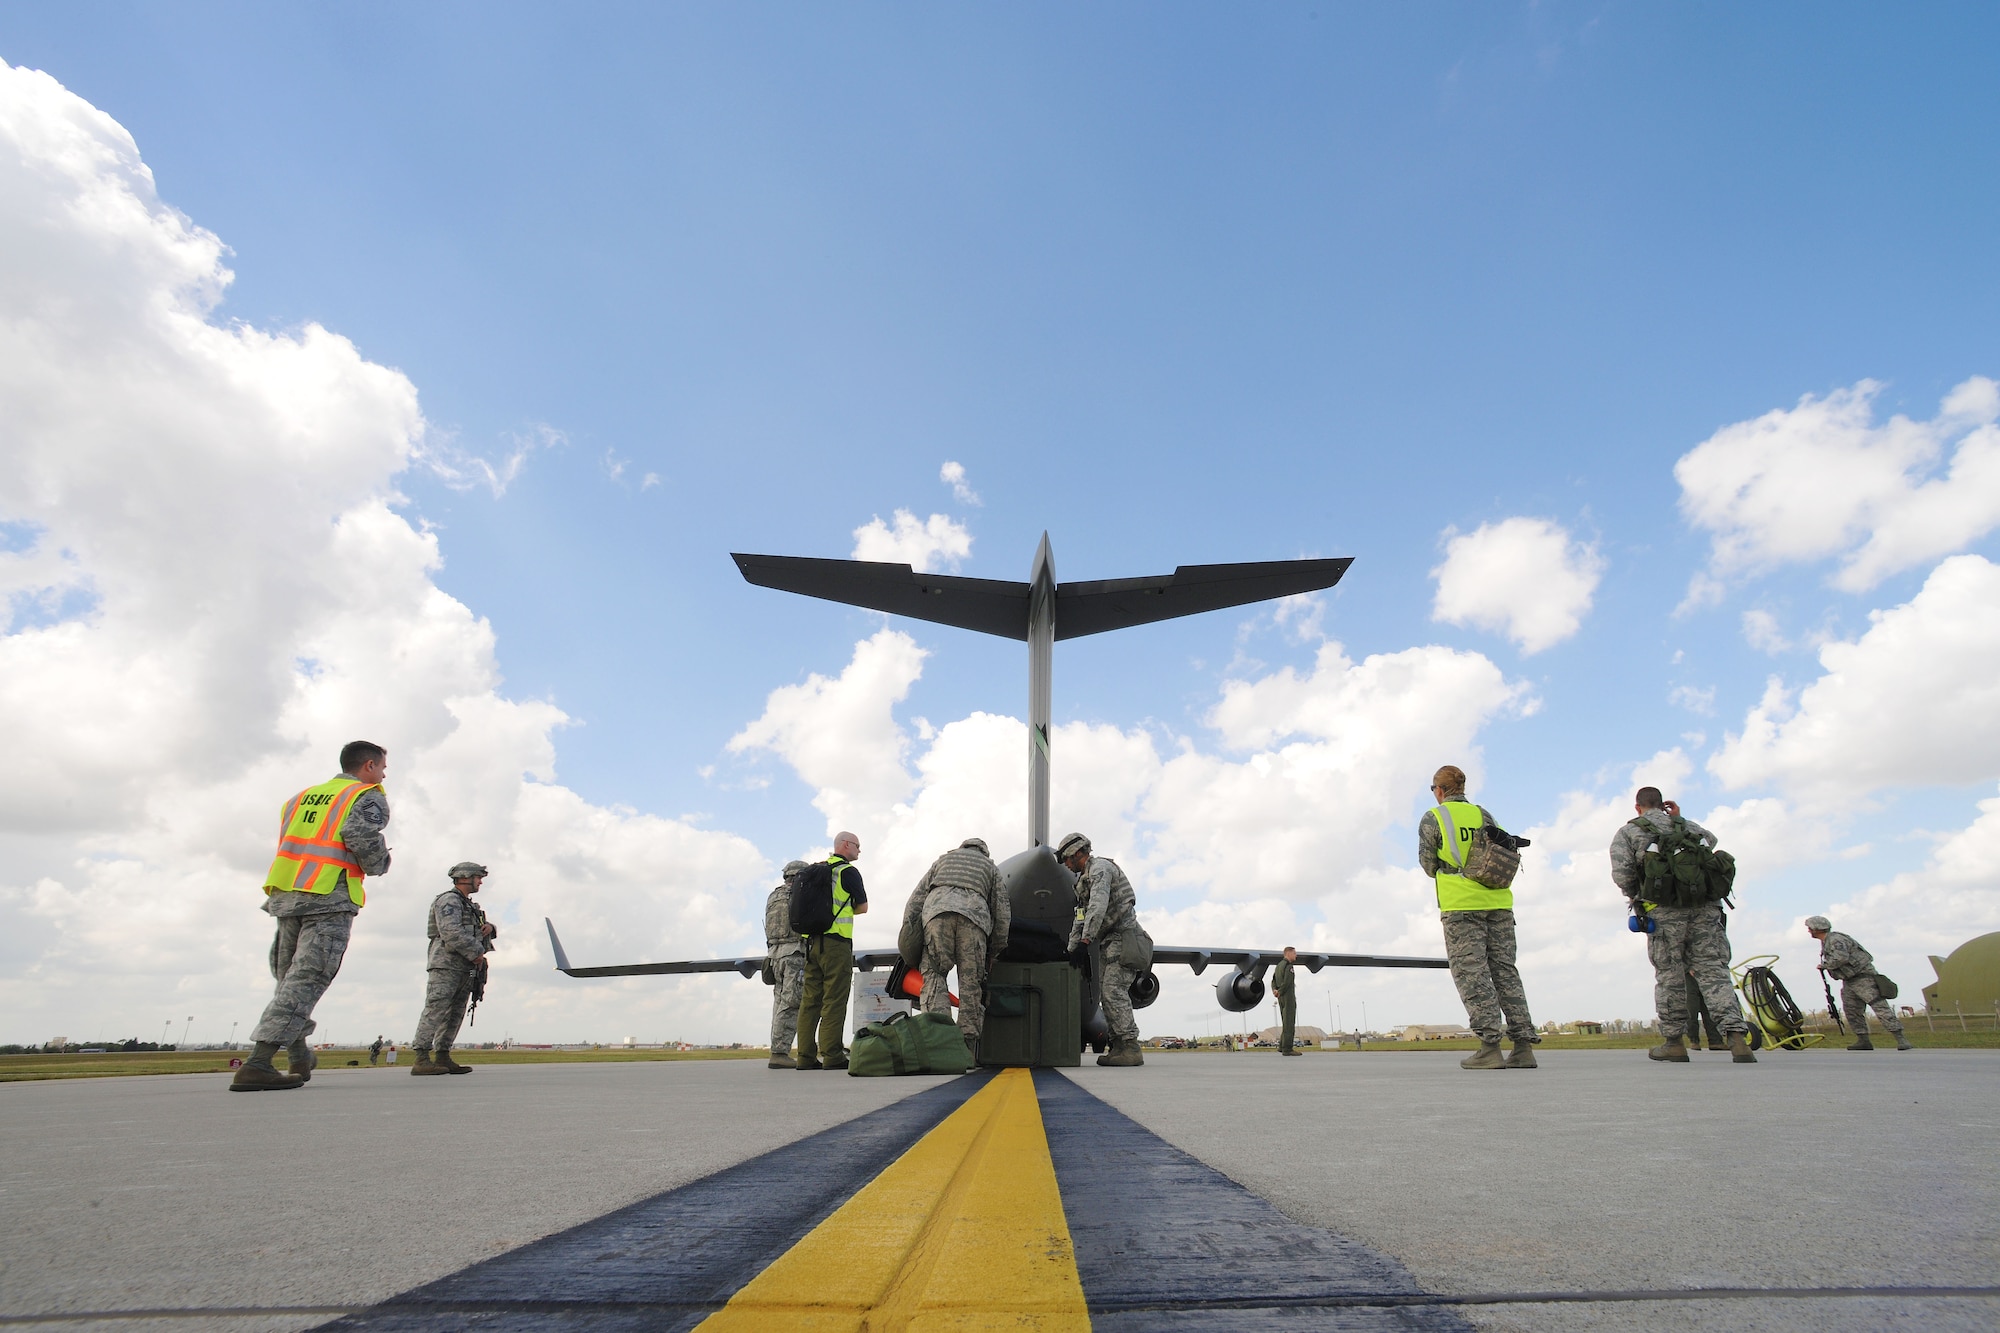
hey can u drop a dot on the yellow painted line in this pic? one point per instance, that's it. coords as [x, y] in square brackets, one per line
[963, 1232]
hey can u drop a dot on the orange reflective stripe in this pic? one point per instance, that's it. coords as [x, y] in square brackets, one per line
[313, 851]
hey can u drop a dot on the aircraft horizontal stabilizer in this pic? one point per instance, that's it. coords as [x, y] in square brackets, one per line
[1107, 604]
[996, 606]
[991, 606]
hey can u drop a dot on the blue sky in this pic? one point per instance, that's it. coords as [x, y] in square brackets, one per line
[1175, 283]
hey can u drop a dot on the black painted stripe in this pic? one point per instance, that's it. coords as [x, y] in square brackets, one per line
[667, 1262]
[1165, 1241]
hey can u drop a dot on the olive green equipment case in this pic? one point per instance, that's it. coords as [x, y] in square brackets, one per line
[1034, 1016]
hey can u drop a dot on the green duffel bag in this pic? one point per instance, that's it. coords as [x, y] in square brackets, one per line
[909, 1044]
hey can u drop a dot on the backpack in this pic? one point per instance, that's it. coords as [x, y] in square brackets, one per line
[812, 900]
[1494, 857]
[1680, 870]
[909, 1044]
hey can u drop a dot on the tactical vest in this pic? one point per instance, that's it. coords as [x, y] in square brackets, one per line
[1456, 893]
[843, 906]
[311, 856]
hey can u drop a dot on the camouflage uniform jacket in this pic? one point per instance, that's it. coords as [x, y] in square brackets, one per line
[456, 940]
[1628, 848]
[1105, 904]
[1843, 959]
[362, 833]
[1430, 837]
[780, 940]
[965, 880]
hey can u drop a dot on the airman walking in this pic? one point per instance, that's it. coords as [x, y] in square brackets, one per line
[1843, 959]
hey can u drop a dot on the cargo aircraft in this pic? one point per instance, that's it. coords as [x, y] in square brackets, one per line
[1041, 611]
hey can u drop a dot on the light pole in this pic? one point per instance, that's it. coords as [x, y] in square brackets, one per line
[1364, 1015]
[185, 1030]
[232, 1033]
[165, 1028]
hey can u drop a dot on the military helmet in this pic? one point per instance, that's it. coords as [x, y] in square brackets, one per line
[793, 867]
[1071, 845]
[467, 870]
[977, 845]
[1818, 923]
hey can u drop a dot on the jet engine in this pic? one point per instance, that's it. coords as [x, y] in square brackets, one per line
[1240, 992]
[1145, 990]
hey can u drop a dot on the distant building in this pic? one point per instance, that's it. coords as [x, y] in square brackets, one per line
[1588, 1029]
[1302, 1034]
[1433, 1032]
[1968, 981]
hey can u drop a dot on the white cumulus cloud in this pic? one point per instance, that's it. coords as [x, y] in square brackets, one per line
[953, 475]
[222, 500]
[1521, 577]
[1915, 701]
[920, 543]
[1826, 479]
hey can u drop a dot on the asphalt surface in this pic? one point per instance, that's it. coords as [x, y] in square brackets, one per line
[168, 1191]
[1603, 1171]
[1599, 1172]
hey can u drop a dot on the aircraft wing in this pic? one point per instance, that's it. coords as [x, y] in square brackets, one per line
[866, 961]
[991, 606]
[1252, 959]
[1107, 604]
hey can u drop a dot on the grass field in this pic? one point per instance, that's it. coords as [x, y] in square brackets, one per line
[16, 1068]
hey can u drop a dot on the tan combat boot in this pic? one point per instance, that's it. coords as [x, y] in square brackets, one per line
[1523, 1056]
[1739, 1049]
[781, 1060]
[301, 1060]
[1122, 1055]
[1486, 1057]
[256, 1078]
[425, 1065]
[442, 1059]
[1673, 1048]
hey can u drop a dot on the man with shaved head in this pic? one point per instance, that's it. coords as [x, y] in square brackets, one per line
[830, 962]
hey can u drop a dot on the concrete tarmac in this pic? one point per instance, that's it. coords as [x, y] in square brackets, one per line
[1598, 1172]
[1604, 1171]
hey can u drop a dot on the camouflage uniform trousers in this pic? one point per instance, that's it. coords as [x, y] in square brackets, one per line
[1116, 995]
[951, 940]
[1857, 996]
[829, 972]
[1697, 1008]
[446, 991]
[1692, 941]
[305, 958]
[790, 971]
[1480, 946]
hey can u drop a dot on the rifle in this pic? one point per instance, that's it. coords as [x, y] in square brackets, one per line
[1832, 1011]
[478, 968]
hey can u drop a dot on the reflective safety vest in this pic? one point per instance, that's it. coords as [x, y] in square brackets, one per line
[311, 857]
[843, 906]
[1456, 893]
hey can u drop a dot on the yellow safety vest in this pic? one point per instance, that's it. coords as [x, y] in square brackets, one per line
[311, 857]
[843, 906]
[1456, 893]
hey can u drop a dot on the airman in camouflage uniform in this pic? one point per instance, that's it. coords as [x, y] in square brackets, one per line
[1687, 942]
[966, 918]
[460, 939]
[1106, 908]
[311, 939]
[1479, 943]
[785, 956]
[1843, 959]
